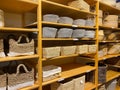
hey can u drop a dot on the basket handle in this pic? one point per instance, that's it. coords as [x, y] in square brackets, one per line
[23, 35]
[18, 68]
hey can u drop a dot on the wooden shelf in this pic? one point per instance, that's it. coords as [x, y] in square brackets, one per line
[59, 9]
[108, 8]
[109, 28]
[89, 86]
[116, 66]
[108, 56]
[70, 70]
[74, 55]
[18, 6]
[18, 29]
[18, 58]
[118, 87]
[116, 41]
[30, 87]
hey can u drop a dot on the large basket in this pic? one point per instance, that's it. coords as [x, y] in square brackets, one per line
[16, 48]
[19, 80]
[89, 34]
[3, 80]
[115, 49]
[92, 48]
[2, 54]
[82, 49]
[49, 32]
[90, 22]
[65, 20]
[68, 50]
[50, 52]
[78, 33]
[80, 22]
[51, 18]
[65, 33]
[100, 21]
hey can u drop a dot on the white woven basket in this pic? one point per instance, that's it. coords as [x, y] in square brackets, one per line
[78, 33]
[65, 20]
[80, 22]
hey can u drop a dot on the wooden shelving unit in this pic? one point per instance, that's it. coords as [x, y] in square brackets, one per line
[89, 86]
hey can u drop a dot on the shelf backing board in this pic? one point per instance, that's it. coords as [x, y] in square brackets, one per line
[59, 9]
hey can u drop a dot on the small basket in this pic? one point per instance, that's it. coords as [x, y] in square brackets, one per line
[2, 54]
[113, 24]
[92, 49]
[3, 80]
[82, 49]
[19, 80]
[65, 20]
[80, 22]
[49, 32]
[51, 52]
[78, 33]
[90, 22]
[90, 34]
[51, 18]
[100, 21]
[68, 50]
[100, 13]
[64, 33]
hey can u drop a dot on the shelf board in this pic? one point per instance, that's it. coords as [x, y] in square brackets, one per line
[18, 29]
[59, 9]
[118, 87]
[108, 8]
[108, 56]
[18, 58]
[18, 6]
[70, 70]
[108, 28]
[74, 55]
[30, 87]
[89, 86]
[106, 41]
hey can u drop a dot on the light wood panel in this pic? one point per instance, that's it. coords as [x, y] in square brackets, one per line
[116, 41]
[70, 70]
[18, 6]
[89, 86]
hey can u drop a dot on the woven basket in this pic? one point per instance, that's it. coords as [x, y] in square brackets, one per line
[115, 49]
[90, 22]
[65, 20]
[19, 80]
[51, 18]
[89, 34]
[3, 80]
[111, 18]
[68, 50]
[113, 24]
[100, 21]
[49, 32]
[65, 33]
[109, 2]
[101, 35]
[80, 22]
[51, 52]
[78, 33]
[2, 54]
[16, 48]
[100, 13]
[80, 4]
[82, 49]
[1, 18]
[92, 48]
[118, 5]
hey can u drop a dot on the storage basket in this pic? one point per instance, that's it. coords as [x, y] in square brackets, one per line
[78, 33]
[82, 49]
[80, 4]
[90, 22]
[65, 33]
[109, 2]
[111, 18]
[51, 52]
[16, 48]
[1, 18]
[3, 80]
[115, 49]
[80, 22]
[100, 21]
[92, 49]
[49, 32]
[100, 35]
[112, 36]
[2, 54]
[68, 50]
[118, 5]
[89, 34]
[100, 13]
[103, 52]
[111, 85]
[19, 80]
[65, 20]
[51, 72]
[113, 24]
[51, 18]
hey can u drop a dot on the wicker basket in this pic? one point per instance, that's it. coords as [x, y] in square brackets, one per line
[115, 49]
[2, 54]
[19, 80]
[89, 34]
[65, 33]
[51, 52]
[92, 48]
[78, 33]
[65, 20]
[82, 49]
[112, 36]
[100, 13]
[118, 5]
[100, 35]
[80, 4]
[68, 50]
[51, 18]
[80, 22]
[49, 32]
[113, 24]
[1, 18]
[3, 80]
[109, 2]
[111, 18]
[90, 22]
[16, 48]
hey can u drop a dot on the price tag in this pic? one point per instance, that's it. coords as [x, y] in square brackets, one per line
[61, 79]
[74, 26]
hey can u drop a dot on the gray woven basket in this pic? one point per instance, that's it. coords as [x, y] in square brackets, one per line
[90, 22]
[89, 34]
[65, 20]
[49, 32]
[65, 33]
[80, 22]
[78, 33]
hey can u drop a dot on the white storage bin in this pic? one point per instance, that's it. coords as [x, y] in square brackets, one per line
[113, 24]
[80, 22]
[111, 85]
[78, 33]
[65, 33]
[49, 32]
[51, 72]
[51, 18]
[82, 49]
[65, 20]
[90, 34]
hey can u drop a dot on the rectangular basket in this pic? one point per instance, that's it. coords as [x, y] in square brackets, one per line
[92, 49]
[3, 80]
[51, 52]
[90, 34]
[82, 49]
[68, 50]
[1, 18]
[78, 33]
[113, 24]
